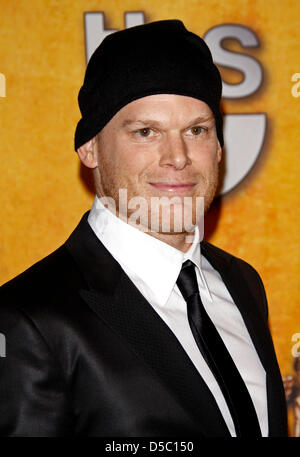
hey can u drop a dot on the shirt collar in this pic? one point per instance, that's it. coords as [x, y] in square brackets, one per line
[148, 260]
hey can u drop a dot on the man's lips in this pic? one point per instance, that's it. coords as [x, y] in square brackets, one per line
[173, 187]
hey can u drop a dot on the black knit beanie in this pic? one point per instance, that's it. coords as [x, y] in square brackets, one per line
[160, 57]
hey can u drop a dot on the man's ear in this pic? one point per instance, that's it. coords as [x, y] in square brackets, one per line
[88, 153]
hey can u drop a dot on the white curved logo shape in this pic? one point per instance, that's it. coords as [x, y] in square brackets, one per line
[243, 138]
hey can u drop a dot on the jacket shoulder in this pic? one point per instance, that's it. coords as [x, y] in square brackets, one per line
[56, 273]
[230, 258]
[33, 379]
[243, 269]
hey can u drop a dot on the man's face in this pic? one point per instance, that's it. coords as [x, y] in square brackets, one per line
[159, 145]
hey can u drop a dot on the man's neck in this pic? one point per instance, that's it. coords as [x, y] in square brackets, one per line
[181, 241]
[176, 240]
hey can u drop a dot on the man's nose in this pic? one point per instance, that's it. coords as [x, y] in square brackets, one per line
[174, 152]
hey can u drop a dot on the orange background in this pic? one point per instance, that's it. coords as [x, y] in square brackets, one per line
[42, 193]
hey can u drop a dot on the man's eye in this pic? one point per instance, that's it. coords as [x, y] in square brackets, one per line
[144, 132]
[196, 130]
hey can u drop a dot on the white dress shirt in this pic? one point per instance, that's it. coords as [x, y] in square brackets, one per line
[153, 266]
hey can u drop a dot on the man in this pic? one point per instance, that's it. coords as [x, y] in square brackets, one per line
[127, 330]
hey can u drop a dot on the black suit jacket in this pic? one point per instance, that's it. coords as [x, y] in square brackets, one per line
[86, 354]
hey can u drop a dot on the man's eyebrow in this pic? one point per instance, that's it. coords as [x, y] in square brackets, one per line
[140, 121]
[199, 119]
[155, 122]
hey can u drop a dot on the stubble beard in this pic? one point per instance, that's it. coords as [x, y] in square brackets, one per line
[109, 188]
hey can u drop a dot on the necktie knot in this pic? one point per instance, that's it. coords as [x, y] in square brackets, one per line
[187, 280]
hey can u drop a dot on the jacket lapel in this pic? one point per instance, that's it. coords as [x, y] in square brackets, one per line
[117, 302]
[243, 298]
[256, 323]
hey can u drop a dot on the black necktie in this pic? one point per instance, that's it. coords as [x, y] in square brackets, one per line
[217, 356]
